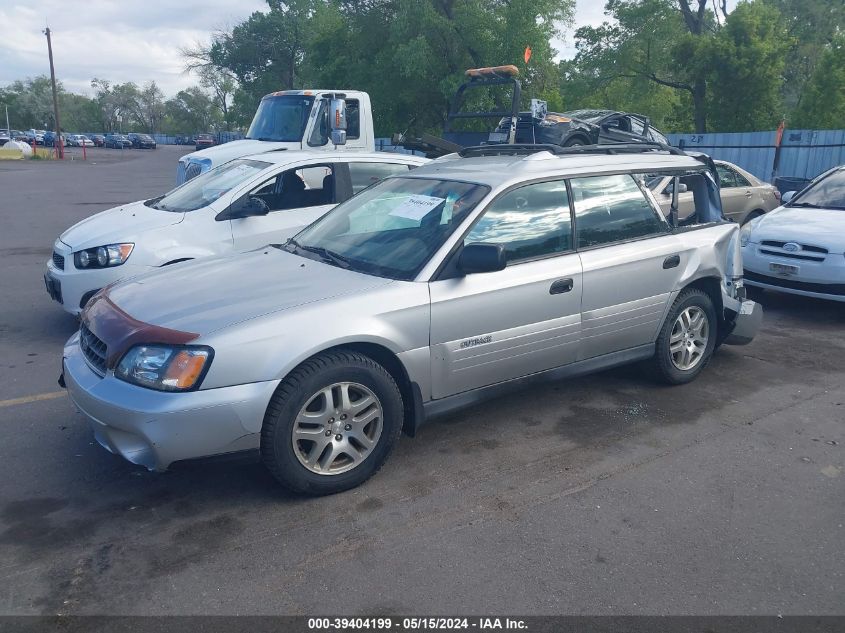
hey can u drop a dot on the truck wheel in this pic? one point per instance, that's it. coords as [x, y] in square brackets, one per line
[574, 142]
[687, 338]
[331, 423]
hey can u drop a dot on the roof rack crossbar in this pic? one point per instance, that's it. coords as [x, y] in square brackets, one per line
[521, 149]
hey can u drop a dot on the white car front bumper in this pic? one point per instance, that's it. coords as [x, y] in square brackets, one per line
[809, 273]
[72, 287]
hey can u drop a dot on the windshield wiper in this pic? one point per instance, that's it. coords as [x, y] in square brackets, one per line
[325, 254]
[806, 205]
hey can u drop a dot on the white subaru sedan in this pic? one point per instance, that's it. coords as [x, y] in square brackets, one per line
[799, 248]
[240, 205]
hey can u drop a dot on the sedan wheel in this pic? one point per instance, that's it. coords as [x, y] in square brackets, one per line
[338, 428]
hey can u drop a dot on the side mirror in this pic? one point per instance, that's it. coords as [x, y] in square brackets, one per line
[482, 258]
[337, 119]
[682, 188]
[789, 195]
[244, 208]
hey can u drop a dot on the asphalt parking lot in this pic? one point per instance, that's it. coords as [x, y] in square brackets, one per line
[600, 495]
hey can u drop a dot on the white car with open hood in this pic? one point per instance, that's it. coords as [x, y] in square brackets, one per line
[243, 204]
[799, 248]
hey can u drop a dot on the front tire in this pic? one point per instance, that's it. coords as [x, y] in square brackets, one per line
[687, 339]
[332, 423]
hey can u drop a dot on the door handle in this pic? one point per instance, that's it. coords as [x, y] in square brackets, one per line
[748, 194]
[673, 261]
[560, 286]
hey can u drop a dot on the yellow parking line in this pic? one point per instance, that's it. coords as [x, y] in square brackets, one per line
[36, 398]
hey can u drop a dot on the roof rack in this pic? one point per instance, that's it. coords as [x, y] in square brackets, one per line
[524, 149]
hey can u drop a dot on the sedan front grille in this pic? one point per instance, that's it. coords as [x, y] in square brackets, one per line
[806, 252]
[93, 349]
[58, 261]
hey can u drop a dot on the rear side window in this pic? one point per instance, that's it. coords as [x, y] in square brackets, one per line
[365, 174]
[727, 179]
[612, 209]
[532, 221]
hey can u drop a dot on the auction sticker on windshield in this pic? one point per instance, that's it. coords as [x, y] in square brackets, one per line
[416, 207]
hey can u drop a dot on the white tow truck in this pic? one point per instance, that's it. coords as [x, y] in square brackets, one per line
[309, 120]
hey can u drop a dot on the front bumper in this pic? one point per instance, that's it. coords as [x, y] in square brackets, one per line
[746, 324]
[154, 428]
[819, 279]
[69, 286]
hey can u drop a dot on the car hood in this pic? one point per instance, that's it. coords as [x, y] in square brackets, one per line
[205, 295]
[815, 227]
[236, 149]
[120, 224]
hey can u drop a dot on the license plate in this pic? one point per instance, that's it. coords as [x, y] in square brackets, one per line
[783, 269]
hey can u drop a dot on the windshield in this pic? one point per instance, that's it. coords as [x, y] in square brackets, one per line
[587, 115]
[281, 118]
[201, 191]
[391, 229]
[827, 193]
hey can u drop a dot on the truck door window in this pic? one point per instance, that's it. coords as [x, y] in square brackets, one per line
[353, 119]
[532, 221]
[365, 174]
[612, 209]
[320, 133]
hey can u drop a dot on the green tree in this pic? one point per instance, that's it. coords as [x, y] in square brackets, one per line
[812, 26]
[189, 112]
[823, 106]
[747, 61]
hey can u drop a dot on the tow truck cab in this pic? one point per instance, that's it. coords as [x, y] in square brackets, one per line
[316, 120]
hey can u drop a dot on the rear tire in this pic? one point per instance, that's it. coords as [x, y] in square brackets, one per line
[575, 142]
[331, 423]
[687, 339]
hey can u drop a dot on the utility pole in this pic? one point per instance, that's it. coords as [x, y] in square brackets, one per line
[58, 138]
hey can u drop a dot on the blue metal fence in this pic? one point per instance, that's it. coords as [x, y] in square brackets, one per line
[803, 154]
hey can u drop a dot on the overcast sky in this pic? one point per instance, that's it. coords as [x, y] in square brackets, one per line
[136, 40]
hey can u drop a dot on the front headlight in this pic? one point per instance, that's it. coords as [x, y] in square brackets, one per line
[164, 367]
[103, 256]
[745, 234]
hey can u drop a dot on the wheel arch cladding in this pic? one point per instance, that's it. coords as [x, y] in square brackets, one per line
[411, 403]
[713, 288]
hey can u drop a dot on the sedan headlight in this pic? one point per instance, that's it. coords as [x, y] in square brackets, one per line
[745, 234]
[103, 256]
[164, 367]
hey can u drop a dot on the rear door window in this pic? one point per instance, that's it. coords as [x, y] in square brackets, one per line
[612, 209]
[365, 174]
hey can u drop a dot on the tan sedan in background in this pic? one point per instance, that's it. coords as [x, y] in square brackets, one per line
[744, 197]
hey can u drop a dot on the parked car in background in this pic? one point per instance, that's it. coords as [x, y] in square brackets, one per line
[142, 141]
[99, 140]
[584, 127]
[17, 135]
[50, 139]
[185, 140]
[243, 204]
[203, 140]
[79, 140]
[35, 135]
[744, 197]
[5, 137]
[117, 141]
[799, 248]
[429, 291]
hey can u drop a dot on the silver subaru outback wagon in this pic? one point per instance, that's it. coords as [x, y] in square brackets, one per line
[424, 293]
